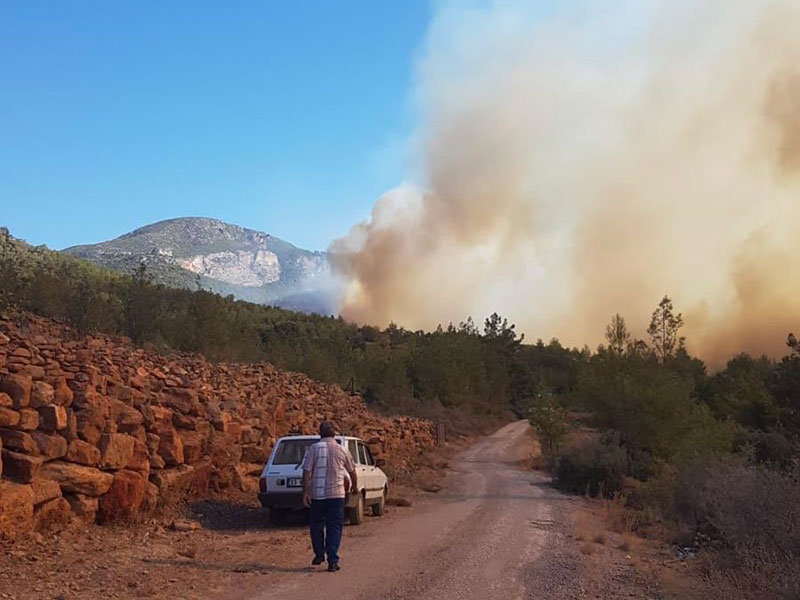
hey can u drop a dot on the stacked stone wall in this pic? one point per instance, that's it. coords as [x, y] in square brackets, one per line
[94, 429]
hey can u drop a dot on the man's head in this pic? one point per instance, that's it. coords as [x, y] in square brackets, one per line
[326, 429]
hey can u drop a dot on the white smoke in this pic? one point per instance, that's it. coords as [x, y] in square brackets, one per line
[590, 159]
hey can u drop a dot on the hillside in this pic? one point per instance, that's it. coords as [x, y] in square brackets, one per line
[222, 258]
[93, 428]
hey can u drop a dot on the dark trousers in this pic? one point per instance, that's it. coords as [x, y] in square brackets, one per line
[327, 520]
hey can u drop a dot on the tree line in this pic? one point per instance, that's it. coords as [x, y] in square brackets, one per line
[482, 371]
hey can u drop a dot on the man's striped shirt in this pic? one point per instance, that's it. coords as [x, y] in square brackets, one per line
[327, 462]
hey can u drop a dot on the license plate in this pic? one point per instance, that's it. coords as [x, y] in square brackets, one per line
[294, 482]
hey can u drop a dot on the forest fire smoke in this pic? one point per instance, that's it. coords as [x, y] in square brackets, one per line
[590, 160]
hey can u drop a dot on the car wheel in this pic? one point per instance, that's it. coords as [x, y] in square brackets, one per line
[380, 508]
[277, 516]
[357, 512]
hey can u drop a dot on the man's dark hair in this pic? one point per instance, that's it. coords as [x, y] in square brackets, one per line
[326, 429]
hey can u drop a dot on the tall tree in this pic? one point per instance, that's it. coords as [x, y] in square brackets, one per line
[617, 335]
[663, 330]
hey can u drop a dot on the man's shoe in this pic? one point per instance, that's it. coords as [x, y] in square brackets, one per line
[318, 560]
[333, 567]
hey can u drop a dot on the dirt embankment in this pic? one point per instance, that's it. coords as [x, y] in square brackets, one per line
[93, 429]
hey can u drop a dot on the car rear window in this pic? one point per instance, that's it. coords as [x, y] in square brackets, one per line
[291, 452]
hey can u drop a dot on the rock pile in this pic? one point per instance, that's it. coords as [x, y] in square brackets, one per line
[94, 429]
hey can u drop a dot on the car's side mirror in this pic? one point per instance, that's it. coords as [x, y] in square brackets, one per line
[379, 462]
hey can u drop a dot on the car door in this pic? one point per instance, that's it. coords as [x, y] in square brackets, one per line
[370, 482]
[352, 446]
[378, 477]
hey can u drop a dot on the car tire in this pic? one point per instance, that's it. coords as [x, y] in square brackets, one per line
[277, 516]
[357, 512]
[380, 508]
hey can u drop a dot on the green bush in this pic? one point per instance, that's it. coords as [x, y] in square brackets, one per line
[595, 467]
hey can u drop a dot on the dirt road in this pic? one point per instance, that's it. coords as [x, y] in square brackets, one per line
[496, 531]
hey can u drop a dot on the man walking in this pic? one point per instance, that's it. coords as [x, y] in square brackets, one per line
[323, 491]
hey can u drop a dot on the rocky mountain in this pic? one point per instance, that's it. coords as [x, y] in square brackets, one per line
[223, 258]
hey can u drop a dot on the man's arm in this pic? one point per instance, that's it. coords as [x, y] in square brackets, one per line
[353, 481]
[350, 467]
[306, 488]
[308, 469]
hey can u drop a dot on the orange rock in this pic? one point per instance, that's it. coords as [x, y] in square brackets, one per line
[18, 387]
[50, 446]
[19, 441]
[83, 507]
[42, 394]
[44, 490]
[83, 453]
[116, 450]
[170, 446]
[62, 395]
[28, 419]
[16, 509]
[77, 478]
[52, 417]
[124, 498]
[8, 417]
[20, 467]
[52, 515]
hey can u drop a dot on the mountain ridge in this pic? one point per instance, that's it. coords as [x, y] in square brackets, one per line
[207, 253]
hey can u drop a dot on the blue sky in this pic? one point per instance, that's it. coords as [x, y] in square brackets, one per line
[288, 117]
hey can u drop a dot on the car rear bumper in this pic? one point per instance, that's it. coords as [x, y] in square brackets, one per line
[292, 500]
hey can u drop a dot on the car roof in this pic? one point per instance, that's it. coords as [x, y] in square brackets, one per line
[316, 437]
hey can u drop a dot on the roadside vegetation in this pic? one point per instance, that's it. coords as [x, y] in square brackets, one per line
[706, 461]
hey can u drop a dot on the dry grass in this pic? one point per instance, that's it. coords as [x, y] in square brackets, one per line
[588, 549]
[628, 543]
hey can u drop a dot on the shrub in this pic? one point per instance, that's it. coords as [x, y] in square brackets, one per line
[595, 467]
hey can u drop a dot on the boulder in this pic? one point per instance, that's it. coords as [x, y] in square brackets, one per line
[44, 490]
[183, 482]
[170, 446]
[116, 450]
[18, 387]
[63, 396]
[128, 419]
[50, 446]
[52, 515]
[83, 507]
[77, 478]
[20, 467]
[52, 417]
[42, 394]
[124, 498]
[5, 400]
[87, 431]
[28, 419]
[83, 453]
[8, 417]
[255, 453]
[140, 461]
[16, 509]
[194, 446]
[18, 441]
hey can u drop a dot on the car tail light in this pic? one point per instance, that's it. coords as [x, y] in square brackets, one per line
[262, 484]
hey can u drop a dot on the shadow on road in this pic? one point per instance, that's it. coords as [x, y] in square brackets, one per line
[226, 515]
[239, 568]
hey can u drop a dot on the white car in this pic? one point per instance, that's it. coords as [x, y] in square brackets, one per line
[280, 487]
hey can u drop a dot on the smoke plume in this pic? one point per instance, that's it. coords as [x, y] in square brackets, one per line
[581, 159]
